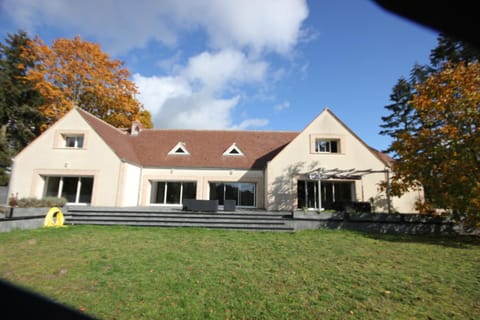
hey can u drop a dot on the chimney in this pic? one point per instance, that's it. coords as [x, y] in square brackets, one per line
[136, 128]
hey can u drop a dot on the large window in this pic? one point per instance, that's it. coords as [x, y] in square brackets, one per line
[172, 192]
[327, 146]
[242, 192]
[332, 193]
[74, 189]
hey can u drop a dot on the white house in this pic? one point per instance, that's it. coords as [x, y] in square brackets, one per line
[87, 161]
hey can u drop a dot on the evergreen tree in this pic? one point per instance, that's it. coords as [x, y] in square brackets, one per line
[19, 117]
[453, 51]
[403, 117]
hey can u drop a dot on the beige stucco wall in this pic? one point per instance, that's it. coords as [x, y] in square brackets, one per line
[129, 185]
[406, 204]
[299, 157]
[119, 183]
[202, 177]
[46, 156]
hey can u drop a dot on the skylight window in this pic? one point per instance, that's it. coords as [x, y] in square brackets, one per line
[179, 149]
[233, 150]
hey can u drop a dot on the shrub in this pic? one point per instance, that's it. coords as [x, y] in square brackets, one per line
[44, 202]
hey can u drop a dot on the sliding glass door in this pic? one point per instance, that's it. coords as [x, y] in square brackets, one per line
[242, 192]
[73, 189]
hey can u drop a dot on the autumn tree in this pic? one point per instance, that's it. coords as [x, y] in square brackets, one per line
[402, 116]
[437, 145]
[78, 73]
[20, 118]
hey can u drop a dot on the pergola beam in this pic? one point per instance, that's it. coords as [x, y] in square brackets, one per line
[352, 174]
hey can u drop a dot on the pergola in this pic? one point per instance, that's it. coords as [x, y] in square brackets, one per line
[320, 174]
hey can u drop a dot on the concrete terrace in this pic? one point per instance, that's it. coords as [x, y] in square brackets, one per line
[240, 219]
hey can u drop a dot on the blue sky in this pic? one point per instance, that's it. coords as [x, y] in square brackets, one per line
[240, 64]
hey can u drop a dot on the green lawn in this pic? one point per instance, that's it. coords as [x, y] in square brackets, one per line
[154, 273]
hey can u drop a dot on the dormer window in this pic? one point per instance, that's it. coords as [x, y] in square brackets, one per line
[233, 150]
[73, 141]
[179, 149]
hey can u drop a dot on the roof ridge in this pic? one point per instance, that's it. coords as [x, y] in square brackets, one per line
[221, 130]
[85, 112]
[117, 140]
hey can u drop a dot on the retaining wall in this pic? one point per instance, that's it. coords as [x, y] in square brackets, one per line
[378, 223]
[21, 218]
[30, 218]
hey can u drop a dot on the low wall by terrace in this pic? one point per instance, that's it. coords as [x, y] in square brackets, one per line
[30, 218]
[378, 223]
[21, 218]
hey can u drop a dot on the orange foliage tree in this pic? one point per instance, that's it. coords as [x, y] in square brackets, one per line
[444, 152]
[78, 73]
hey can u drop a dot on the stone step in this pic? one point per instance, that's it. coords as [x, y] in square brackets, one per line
[90, 215]
[175, 217]
[171, 224]
[169, 210]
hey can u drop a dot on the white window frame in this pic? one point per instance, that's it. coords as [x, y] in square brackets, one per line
[229, 151]
[165, 192]
[238, 185]
[60, 187]
[328, 145]
[179, 146]
[78, 141]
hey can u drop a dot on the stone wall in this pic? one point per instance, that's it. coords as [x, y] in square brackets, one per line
[21, 218]
[378, 223]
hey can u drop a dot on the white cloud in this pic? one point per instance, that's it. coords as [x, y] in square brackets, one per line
[272, 25]
[173, 104]
[215, 71]
[156, 91]
[118, 25]
[198, 111]
[240, 35]
[195, 96]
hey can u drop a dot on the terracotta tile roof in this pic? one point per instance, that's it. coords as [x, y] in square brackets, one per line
[207, 147]
[385, 158]
[150, 147]
[117, 140]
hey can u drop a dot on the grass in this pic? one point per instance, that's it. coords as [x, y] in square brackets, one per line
[153, 273]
